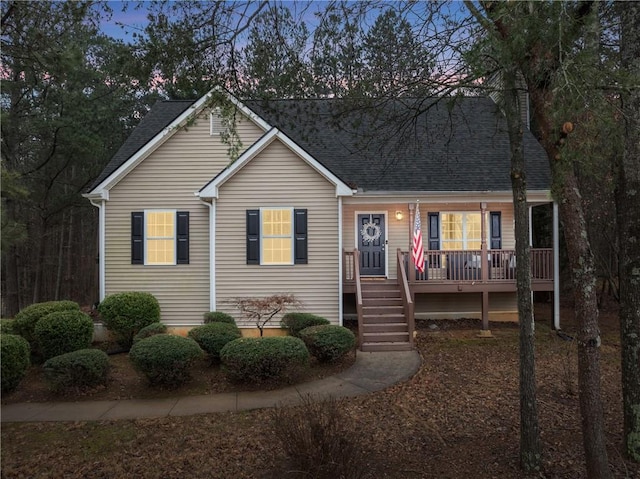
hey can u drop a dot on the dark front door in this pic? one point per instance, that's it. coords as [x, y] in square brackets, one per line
[371, 244]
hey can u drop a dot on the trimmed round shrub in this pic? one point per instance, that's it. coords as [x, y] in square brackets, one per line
[279, 358]
[25, 321]
[328, 342]
[77, 369]
[15, 354]
[218, 317]
[125, 314]
[150, 330]
[63, 332]
[6, 326]
[165, 359]
[212, 337]
[296, 322]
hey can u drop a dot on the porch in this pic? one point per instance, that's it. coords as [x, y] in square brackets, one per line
[446, 271]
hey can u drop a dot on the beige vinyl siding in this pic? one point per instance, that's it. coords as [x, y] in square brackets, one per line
[168, 179]
[275, 178]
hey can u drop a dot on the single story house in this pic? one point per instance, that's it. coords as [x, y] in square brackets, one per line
[321, 203]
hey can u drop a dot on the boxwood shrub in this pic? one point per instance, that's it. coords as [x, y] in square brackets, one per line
[25, 321]
[15, 354]
[6, 326]
[296, 322]
[212, 337]
[62, 332]
[165, 359]
[218, 317]
[77, 369]
[280, 358]
[127, 313]
[150, 330]
[328, 342]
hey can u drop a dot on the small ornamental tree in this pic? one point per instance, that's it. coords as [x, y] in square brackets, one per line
[263, 310]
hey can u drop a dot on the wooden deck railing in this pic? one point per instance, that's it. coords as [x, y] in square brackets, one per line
[466, 266]
[356, 277]
[405, 292]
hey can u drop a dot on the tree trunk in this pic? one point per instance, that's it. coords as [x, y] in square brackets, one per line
[628, 215]
[530, 447]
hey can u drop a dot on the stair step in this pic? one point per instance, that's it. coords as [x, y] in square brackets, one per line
[399, 346]
[375, 310]
[385, 328]
[390, 294]
[386, 337]
[383, 318]
[377, 301]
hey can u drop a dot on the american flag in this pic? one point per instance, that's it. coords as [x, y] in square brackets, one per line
[418, 251]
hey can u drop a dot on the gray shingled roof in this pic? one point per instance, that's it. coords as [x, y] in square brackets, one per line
[158, 118]
[413, 145]
[456, 144]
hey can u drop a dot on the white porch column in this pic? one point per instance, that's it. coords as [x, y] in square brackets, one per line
[340, 265]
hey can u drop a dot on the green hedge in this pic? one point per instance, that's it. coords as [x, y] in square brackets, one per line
[218, 317]
[6, 326]
[296, 322]
[281, 358]
[127, 313]
[212, 337]
[77, 369]
[14, 360]
[26, 319]
[165, 359]
[328, 342]
[150, 330]
[63, 332]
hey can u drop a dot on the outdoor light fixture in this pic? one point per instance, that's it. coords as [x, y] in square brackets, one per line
[399, 215]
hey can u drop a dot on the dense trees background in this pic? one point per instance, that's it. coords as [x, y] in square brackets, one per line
[70, 96]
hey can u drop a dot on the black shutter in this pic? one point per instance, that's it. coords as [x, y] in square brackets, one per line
[182, 237]
[434, 231]
[137, 237]
[496, 230]
[253, 236]
[300, 236]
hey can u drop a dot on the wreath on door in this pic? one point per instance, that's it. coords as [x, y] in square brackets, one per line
[370, 232]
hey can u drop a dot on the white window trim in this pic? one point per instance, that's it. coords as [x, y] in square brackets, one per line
[175, 237]
[291, 236]
[215, 122]
[464, 239]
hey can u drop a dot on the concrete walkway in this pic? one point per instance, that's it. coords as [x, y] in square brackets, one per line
[371, 372]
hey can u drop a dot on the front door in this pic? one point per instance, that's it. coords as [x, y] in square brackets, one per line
[371, 244]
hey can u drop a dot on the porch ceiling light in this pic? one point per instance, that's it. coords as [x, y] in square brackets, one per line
[399, 215]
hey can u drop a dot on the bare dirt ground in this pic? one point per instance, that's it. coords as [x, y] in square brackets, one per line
[456, 418]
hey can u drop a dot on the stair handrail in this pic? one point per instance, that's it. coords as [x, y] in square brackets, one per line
[405, 292]
[356, 277]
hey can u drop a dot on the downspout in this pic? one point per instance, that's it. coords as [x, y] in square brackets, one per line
[101, 248]
[556, 268]
[212, 254]
[340, 265]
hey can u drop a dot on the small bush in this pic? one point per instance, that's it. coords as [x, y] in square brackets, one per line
[150, 330]
[218, 317]
[127, 313]
[320, 440]
[328, 342]
[264, 359]
[77, 369]
[25, 321]
[15, 355]
[296, 322]
[63, 332]
[6, 326]
[165, 359]
[212, 337]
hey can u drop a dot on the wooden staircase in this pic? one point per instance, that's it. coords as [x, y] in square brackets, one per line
[385, 327]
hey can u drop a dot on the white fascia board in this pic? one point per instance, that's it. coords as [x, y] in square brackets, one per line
[109, 182]
[150, 147]
[533, 196]
[211, 190]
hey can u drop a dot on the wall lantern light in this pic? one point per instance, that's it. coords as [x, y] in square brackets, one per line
[399, 215]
